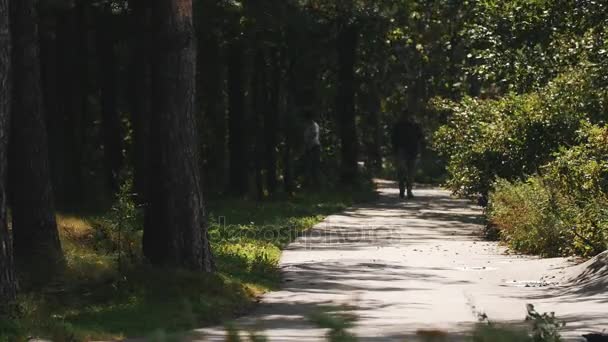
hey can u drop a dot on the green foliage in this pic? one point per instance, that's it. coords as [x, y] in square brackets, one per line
[336, 322]
[120, 230]
[520, 45]
[542, 328]
[525, 215]
[561, 210]
[545, 327]
[513, 136]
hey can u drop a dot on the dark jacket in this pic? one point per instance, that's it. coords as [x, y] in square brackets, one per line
[407, 139]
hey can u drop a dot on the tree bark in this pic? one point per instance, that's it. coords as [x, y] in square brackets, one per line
[8, 280]
[108, 75]
[258, 89]
[72, 89]
[140, 93]
[175, 231]
[54, 115]
[36, 239]
[271, 121]
[345, 102]
[372, 129]
[236, 120]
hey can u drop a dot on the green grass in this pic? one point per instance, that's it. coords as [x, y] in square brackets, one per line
[93, 299]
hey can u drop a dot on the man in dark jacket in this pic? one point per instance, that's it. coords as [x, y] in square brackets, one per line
[407, 139]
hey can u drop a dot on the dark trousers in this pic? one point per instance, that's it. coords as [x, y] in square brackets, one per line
[312, 165]
[406, 171]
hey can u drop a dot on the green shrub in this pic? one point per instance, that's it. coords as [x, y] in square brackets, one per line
[512, 137]
[525, 214]
[563, 210]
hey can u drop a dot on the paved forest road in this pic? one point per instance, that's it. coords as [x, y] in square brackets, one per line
[409, 265]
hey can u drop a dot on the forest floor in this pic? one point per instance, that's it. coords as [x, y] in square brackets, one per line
[402, 266]
[95, 299]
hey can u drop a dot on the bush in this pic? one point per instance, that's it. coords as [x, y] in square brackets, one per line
[512, 137]
[563, 210]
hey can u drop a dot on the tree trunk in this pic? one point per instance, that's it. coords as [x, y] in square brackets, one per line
[54, 116]
[372, 130]
[8, 281]
[175, 231]
[71, 88]
[36, 240]
[345, 102]
[77, 99]
[140, 93]
[236, 120]
[271, 122]
[108, 74]
[258, 89]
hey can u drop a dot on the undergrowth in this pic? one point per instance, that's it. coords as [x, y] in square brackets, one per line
[108, 292]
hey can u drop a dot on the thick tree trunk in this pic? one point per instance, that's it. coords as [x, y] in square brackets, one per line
[71, 89]
[175, 231]
[345, 102]
[140, 93]
[61, 149]
[54, 116]
[271, 122]
[108, 81]
[36, 240]
[77, 100]
[8, 280]
[236, 120]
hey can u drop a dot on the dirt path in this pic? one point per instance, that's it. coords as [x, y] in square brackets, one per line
[409, 265]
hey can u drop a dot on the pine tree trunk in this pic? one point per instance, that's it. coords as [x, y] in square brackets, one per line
[71, 88]
[373, 132]
[36, 240]
[140, 93]
[54, 116]
[108, 74]
[271, 122]
[345, 102]
[258, 89]
[77, 99]
[175, 232]
[8, 281]
[236, 120]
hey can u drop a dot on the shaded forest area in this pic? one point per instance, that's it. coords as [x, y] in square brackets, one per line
[139, 108]
[154, 110]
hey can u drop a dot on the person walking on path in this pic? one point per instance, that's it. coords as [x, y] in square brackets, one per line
[407, 140]
[312, 151]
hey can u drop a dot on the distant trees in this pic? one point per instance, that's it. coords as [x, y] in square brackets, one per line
[8, 281]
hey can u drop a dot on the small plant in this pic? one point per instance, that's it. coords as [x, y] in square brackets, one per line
[120, 230]
[545, 327]
[233, 334]
[338, 324]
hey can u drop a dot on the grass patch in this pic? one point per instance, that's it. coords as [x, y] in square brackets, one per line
[96, 299]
